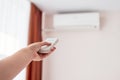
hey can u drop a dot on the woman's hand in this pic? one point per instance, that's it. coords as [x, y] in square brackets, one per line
[35, 47]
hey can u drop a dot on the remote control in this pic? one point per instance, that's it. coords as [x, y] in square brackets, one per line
[46, 49]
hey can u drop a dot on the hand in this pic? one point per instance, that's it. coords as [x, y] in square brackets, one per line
[35, 47]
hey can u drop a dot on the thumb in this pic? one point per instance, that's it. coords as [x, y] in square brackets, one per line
[37, 46]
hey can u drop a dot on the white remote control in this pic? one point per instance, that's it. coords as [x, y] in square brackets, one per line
[46, 49]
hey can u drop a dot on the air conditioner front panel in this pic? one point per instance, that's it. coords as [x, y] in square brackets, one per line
[76, 20]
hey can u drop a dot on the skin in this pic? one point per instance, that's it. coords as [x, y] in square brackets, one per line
[12, 65]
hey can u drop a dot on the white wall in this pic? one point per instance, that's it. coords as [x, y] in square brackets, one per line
[14, 22]
[86, 55]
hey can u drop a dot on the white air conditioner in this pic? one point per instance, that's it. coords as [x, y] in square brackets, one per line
[76, 21]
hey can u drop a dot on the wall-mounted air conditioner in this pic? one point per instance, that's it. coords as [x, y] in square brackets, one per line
[75, 21]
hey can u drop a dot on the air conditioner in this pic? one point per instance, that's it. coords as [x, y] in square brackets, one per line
[76, 21]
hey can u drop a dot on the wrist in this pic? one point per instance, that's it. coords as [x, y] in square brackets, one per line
[29, 52]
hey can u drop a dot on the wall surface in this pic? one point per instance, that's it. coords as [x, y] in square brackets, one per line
[86, 55]
[14, 22]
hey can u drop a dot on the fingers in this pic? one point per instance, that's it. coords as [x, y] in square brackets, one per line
[40, 44]
[44, 55]
[41, 56]
[44, 43]
[53, 48]
[36, 46]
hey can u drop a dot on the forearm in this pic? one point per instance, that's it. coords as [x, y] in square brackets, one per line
[12, 65]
